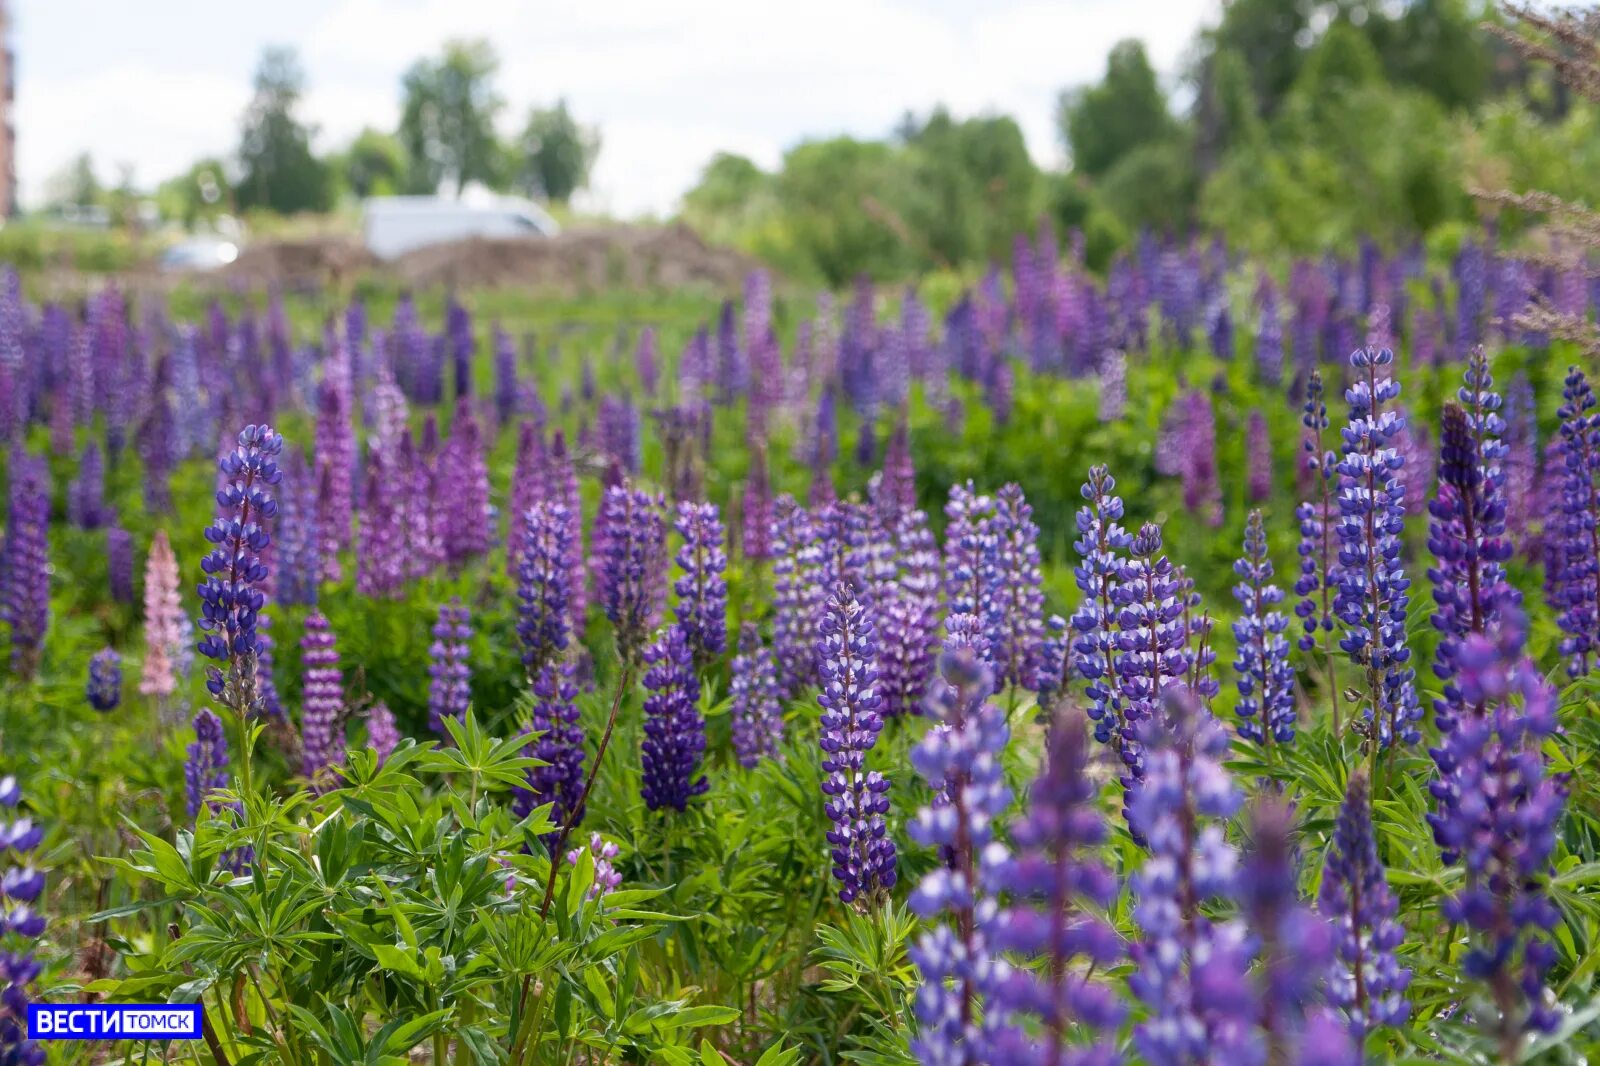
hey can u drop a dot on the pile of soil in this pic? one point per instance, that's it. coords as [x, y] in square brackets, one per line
[636, 257]
[305, 261]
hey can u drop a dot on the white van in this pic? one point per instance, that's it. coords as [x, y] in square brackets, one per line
[394, 225]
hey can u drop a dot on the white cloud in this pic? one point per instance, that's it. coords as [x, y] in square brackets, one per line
[669, 84]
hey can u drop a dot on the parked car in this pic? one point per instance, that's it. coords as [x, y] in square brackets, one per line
[394, 225]
[199, 254]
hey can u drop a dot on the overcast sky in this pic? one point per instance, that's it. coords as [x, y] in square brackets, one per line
[160, 83]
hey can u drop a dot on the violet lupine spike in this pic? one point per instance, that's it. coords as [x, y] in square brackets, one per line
[466, 473]
[25, 562]
[1258, 458]
[906, 609]
[329, 567]
[1113, 379]
[796, 558]
[1269, 334]
[1373, 591]
[206, 768]
[863, 854]
[845, 545]
[1466, 532]
[702, 608]
[323, 707]
[758, 509]
[1521, 464]
[21, 885]
[266, 687]
[757, 707]
[383, 735]
[1180, 811]
[1319, 545]
[1500, 824]
[544, 583]
[967, 533]
[607, 878]
[1294, 946]
[1152, 648]
[1573, 548]
[105, 680]
[1266, 680]
[1051, 877]
[1012, 604]
[674, 731]
[299, 543]
[381, 553]
[561, 485]
[1368, 984]
[899, 492]
[449, 666]
[163, 613]
[632, 566]
[119, 564]
[231, 595]
[86, 494]
[960, 760]
[559, 782]
[336, 457]
[1197, 450]
[1100, 545]
[528, 487]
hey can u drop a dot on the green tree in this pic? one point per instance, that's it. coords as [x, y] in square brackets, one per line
[278, 170]
[1102, 123]
[75, 184]
[555, 154]
[201, 192]
[373, 165]
[835, 198]
[447, 114]
[974, 186]
[730, 201]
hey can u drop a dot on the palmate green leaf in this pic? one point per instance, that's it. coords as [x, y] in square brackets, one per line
[671, 1017]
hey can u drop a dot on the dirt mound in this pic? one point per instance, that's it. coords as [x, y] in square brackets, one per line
[639, 257]
[299, 261]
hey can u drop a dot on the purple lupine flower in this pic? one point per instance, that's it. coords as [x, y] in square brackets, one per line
[336, 458]
[674, 731]
[960, 760]
[1012, 605]
[846, 547]
[967, 532]
[898, 493]
[381, 553]
[561, 485]
[449, 666]
[646, 363]
[21, 885]
[906, 611]
[1152, 647]
[1318, 547]
[632, 565]
[299, 544]
[1572, 556]
[466, 473]
[1182, 957]
[1520, 465]
[1369, 985]
[702, 606]
[1258, 458]
[119, 564]
[86, 495]
[105, 680]
[383, 735]
[505, 375]
[1197, 454]
[863, 854]
[1499, 823]
[758, 508]
[1266, 680]
[25, 562]
[1269, 333]
[544, 583]
[1052, 874]
[555, 718]
[1416, 464]
[618, 422]
[757, 707]
[1113, 379]
[231, 593]
[1467, 531]
[323, 707]
[1295, 946]
[527, 488]
[1373, 591]
[206, 769]
[458, 328]
[330, 569]
[1101, 540]
[607, 877]
[797, 608]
